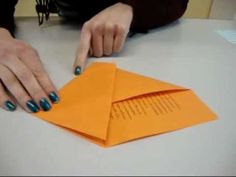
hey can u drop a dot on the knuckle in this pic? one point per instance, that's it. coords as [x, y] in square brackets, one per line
[34, 51]
[109, 28]
[2, 73]
[22, 48]
[96, 27]
[5, 49]
[10, 82]
[86, 25]
[24, 76]
[121, 29]
[6, 76]
[4, 54]
[38, 72]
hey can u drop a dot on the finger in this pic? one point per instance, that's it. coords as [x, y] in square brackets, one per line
[108, 40]
[32, 61]
[5, 101]
[16, 89]
[82, 51]
[119, 40]
[27, 79]
[97, 41]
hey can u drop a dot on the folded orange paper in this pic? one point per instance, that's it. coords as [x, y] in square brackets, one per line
[110, 106]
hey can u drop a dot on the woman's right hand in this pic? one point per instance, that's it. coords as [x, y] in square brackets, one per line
[23, 79]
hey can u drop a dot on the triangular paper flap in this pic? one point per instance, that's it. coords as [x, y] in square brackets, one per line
[190, 111]
[86, 102]
[128, 85]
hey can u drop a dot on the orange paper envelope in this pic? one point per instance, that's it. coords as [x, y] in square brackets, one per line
[110, 106]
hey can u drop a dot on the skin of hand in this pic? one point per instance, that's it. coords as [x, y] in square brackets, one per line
[104, 34]
[23, 79]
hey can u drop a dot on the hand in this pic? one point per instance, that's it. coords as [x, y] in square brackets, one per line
[23, 79]
[104, 34]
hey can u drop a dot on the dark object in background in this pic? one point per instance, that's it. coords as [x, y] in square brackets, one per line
[148, 14]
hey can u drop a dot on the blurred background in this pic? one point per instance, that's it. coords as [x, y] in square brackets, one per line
[205, 9]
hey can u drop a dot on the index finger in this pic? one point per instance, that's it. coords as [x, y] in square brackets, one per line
[82, 51]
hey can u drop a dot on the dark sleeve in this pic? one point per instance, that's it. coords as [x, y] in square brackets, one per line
[150, 14]
[7, 9]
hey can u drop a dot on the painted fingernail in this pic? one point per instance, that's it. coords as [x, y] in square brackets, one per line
[44, 104]
[32, 106]
[78, 70]
[53, 97]
[10, 106]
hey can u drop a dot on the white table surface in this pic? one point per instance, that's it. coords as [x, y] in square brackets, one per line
[188, 53]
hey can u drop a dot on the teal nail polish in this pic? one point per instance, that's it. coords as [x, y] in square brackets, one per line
[78, 70]
[32, 106]
[53, 97]
[44, 104]
[10, 106]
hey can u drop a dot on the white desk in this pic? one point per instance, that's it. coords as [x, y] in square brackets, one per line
[188, 53]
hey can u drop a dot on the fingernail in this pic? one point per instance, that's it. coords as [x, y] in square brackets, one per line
[78, 70]
[53, 97]
[10, 106]
[44, 104]
[32, 106]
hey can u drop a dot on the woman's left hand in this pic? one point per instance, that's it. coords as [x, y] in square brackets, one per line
[104, 34]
